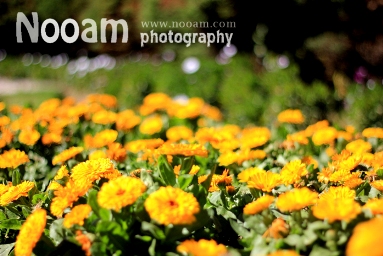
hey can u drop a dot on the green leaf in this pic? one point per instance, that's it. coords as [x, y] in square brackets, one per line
[11, 224]
[153, 229]
[57, 231]
[166, 171]
[184, 180]
[187, 163]
[144, 238]
[2, 215]
[152, 248]
[320, 251]
[6, 248]
[225, 213]
[239, 228]
[105, 214]
[16, 177]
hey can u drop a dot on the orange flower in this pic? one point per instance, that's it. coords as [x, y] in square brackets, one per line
[30, 232]
[366, 239]
[84, 241]
[29, 137]
[61, 173]
[378, 184]
[292, 116]
[258, 205]
[15, 192]
[97, 154]
[4, 120]
[201, 248]
[189, 108]
[108, 101]
[170, 205]
[116, 152]
[325, 135]
[278, 229]
[120, 192]
[296, 199]
[136, 146]
[67, 154]
[217, 180]
[283, 253]
[375, 205]
[264, 181]
[292, 172]
[104, 117]
[154, 102]
[177, 133]
[359, 146]
[299, 137]
[77, 215]
[373, 132]
[151, 125]
[126, 120]
[336, 209]
[101, 139]
[13, 158]
[182, 149]
[65, 196]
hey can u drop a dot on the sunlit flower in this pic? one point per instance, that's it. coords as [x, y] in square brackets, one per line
[182, 149]
[359, 146]
[201, 248]
[293, 116]
[136, 146]
[97, 154]
[65, 196]
[325, 135]
[373, 132]
[116, 152]
[120, 192]
[154, 102]
[67, 154]
[13, 158]
[84, 241]
[296, 199]
[212, 112]
[258, 205]
[4, 120]
[77, 215]
[378, 184]
[245, 175]
[278, 229]
[311, 129]
[30, 232]
[15, 192]
[340, 192]
[151, 125]
[299, 137]
[29, 137]
[324, 175]
[283, 253]
[177, 133]
[375, 205]
[366, 239]
[61, 173]
[126, 120]
[104, 117]
[101, 139]
[170, 205]
[51, 138]
[189, 108]
[292, 172]
[264, 181]
[107, 100]
[253, 137]
[2, 106]
[217, 180]
[310, 160]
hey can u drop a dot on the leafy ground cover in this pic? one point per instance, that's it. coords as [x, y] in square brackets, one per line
[171, 177]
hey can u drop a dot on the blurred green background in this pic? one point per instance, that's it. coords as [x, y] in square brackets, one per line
[324, 57]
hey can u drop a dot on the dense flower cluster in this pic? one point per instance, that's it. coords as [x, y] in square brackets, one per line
[171, 177]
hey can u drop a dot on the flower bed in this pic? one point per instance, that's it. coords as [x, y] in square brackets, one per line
[171, 178]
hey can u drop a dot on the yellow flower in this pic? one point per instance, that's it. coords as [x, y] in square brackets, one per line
[61, 173]
[4, 120]
[151, 125]
[245, 175]
[170, 205]
[97, 154]
[67, 154]
[104, 117]
[65, 196]
[29, 137]
[311, 129]
[190, 108]
[2, 106]
[373, 132]
[375, 205]
[101, 139]
[378, 184]
[325, 135]
[293, 116]
[136, 146]
[116, 152]
[15, 192]
[108, 101]
[299, 137]
[120, 192]
[264, 181]
[30, 232]
[296, 199]
[177, 133]
[283, 253]
[292, 172]
[217, 180]
[340, 192]
[201, 248]
[13, 158]
[310, 160]
[182, 149]
[277, 230]
[154, 102]
[359, 146]
[85, 173]
[366, 239]
[126, 120]
[77, 215]
[258, 205]
[336, 209]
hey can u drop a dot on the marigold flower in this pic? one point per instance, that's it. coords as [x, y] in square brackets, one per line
[101, 139]
[153, 102]
[126, 120]
[212, 112]
[84, 241]
[151, 125]
[373, 132]
[77, 215]
[310, 160]
[120, 192]
[324, 175]
[264, 181]
[182, 149]
[277, 230]
[116, 152]
[217, 180]
[4, 188]
[325, 135]
[30, 232]
[136, 146]
[4, 120]
[253, 137]
[258, 205]
[177, 133]
[296, 199]
[170, 205]
[283, 253]
[15, 192]
[201, 248]
[336, 209]
[85, 173]
[67, 154]
[104, 117]
[2, 106]
[245, 175]
[189, 108]
[292, 116]
[51, 137]
[292, 172]
[375, 205]
[341, 192]
[299, 137]
[13, 158]
[359, 146]
[107, 100]
[97, 154]
[61, 173]
[378, 184]
[29, 137]
[366, 239]
[65, 196]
